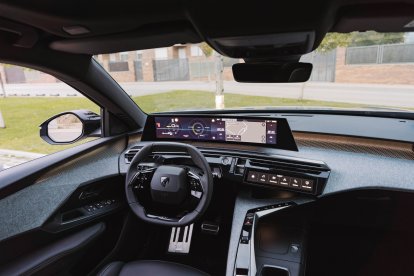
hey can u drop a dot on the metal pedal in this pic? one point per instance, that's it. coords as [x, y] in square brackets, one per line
[180, 239]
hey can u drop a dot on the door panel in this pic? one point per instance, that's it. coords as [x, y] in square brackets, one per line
[30, 207]
[88, 203]
[60, 225]
[55, 257]
[46, 225]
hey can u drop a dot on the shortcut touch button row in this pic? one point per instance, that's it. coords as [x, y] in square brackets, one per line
[280, 180]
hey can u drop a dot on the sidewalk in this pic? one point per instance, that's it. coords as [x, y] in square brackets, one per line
[368, 94]
[10, 158]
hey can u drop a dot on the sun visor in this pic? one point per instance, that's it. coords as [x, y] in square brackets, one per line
[151, 36]
[266, 46]
[380, 18]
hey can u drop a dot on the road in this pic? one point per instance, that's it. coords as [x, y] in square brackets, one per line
[65, 135]
[10, 158]
[370, 94]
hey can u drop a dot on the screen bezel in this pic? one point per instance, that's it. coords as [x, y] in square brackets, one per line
[284, 140]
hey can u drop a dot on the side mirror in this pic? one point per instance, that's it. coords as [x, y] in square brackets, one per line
[69, 127]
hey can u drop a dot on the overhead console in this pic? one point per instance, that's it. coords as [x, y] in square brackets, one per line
[273, 46]
[270, 132]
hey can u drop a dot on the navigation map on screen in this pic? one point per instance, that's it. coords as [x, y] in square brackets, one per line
[258, 131]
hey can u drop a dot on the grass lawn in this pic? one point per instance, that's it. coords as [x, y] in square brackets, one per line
[24, 115]
[184, 99]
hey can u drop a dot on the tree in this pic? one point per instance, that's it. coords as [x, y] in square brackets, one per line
[374, 38]
[207, 50]
[334, 40]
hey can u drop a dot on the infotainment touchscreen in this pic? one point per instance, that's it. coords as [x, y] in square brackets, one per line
[217, 129]
[264, 131]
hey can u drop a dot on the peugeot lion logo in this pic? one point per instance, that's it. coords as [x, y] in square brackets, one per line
[164, 180]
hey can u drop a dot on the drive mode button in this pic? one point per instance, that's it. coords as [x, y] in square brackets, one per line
[296, 182]
[253, 176]
[273, 179]
[284, 180]
[307, 185]
[263, 177]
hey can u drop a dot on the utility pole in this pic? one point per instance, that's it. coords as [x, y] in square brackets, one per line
[2, 123]
[302, 91]
[3, 91]
[302, 85]
[219, 81]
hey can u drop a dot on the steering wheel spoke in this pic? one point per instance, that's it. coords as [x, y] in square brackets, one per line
[142, 179]
[196, 188]
[147, 167]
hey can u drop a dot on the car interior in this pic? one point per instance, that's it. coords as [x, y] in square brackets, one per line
[282, 192]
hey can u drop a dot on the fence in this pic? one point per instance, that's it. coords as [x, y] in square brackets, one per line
[17, 74]
[118, 66]
[139, 74]
[323, 65]
[202, 69]
[171, 70]
[14, 74]
[380, 54]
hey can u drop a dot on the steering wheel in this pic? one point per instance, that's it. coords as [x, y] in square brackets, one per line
[168, 194]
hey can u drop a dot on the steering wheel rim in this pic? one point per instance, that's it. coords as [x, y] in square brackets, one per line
[206, 181]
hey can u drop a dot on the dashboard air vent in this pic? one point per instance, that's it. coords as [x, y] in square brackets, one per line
[239, 166]
[129, 155]
[289, 164]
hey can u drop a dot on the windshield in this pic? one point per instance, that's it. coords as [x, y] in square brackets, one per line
[366, 70]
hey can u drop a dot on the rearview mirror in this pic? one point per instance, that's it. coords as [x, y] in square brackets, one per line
[271, 72]
[69, 127]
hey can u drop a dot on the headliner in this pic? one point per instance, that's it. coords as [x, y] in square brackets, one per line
[113, 26]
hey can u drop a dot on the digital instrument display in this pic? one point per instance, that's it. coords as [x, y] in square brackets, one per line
[239, 130]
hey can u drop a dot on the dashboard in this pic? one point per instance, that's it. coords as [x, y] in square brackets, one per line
[264, 173]
[298, 175]
[248, 167]
[355, 159]
[270, 132]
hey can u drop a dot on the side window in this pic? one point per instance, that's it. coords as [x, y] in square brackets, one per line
[27, 99]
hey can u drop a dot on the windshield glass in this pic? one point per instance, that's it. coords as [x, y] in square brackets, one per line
[366, 70]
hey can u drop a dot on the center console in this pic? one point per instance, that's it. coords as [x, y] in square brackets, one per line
[269, 246]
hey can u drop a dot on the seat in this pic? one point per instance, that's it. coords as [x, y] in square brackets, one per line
[159, 268]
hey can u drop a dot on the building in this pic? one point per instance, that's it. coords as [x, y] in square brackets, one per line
[380, 64]
[176, 63]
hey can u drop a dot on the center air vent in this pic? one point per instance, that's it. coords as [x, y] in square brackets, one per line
[298, 166]
[129, 155]
[239, 166]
